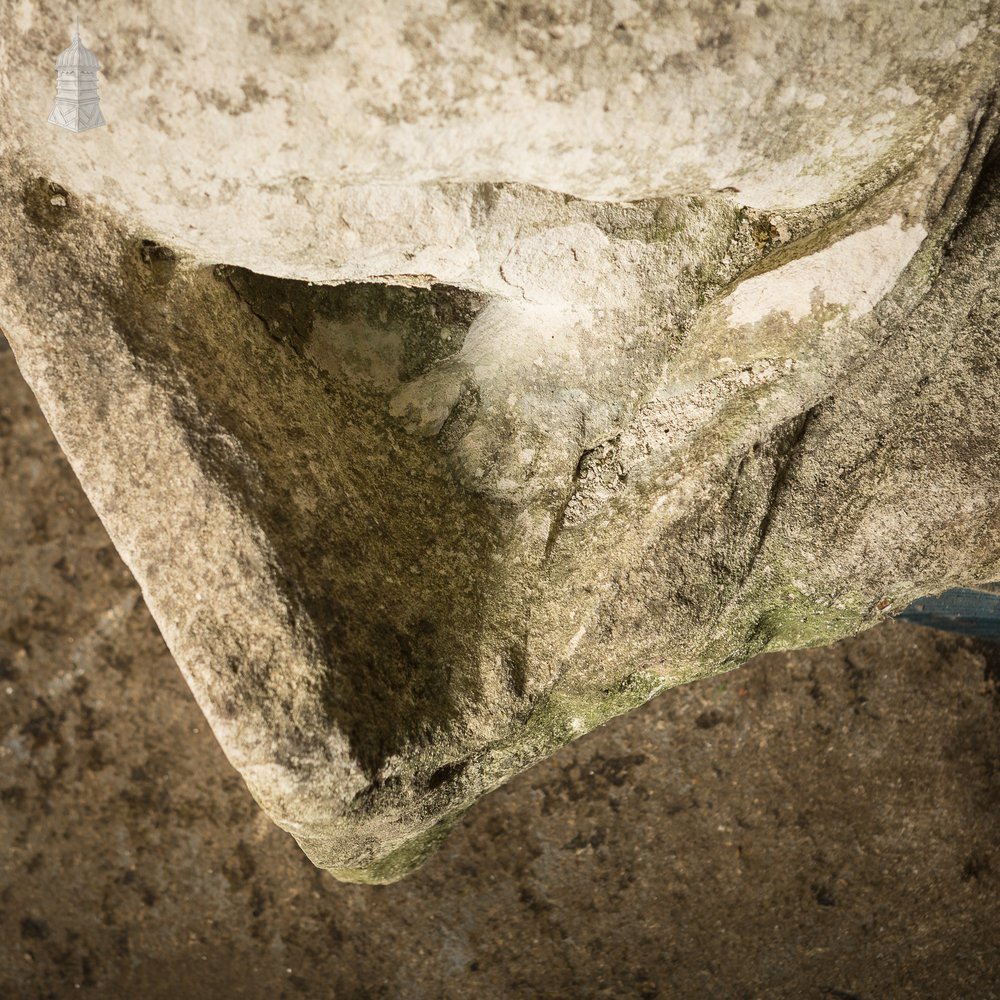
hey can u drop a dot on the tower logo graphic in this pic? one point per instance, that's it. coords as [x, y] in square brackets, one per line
[77, 105]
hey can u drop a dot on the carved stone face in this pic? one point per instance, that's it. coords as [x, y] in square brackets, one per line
[452, 382]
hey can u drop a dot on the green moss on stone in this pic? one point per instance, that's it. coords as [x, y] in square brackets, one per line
[409, 856]
[799, 622]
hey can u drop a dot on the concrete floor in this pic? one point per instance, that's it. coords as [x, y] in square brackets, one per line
[824, 824]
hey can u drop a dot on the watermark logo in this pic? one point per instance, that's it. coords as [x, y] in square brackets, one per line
[77, 105]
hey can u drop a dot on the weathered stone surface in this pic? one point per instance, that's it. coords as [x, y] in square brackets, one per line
[425, 463]
[836, 807]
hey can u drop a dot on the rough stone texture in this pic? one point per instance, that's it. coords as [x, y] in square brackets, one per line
[822, 824]
[427, 465]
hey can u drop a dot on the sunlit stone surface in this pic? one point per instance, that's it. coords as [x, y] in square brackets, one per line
[452, 381]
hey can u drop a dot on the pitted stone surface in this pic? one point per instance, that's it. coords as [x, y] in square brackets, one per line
[428, 462]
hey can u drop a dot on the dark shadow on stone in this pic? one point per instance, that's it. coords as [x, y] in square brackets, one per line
[367, 522]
